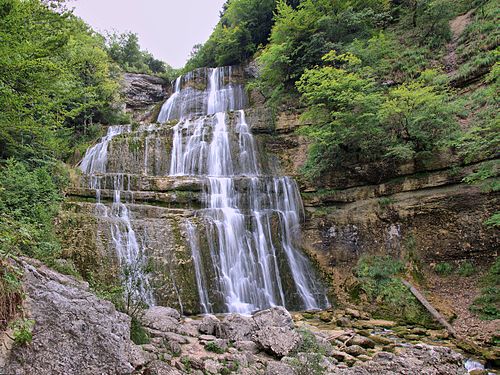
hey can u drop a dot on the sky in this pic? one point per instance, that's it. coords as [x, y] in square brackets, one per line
[166, 28]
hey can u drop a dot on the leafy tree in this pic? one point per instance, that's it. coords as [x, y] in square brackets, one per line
[55, 77]
[354, 119]
[243, 26]
[125, 50]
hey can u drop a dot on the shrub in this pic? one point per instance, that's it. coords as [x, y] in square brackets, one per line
[443, 269]
[213, 347]
[466, 269]
[379, 281]
[487, 305]
[137, 332]
[22, 331]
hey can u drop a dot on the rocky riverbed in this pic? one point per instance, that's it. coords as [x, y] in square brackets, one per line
[77, 333]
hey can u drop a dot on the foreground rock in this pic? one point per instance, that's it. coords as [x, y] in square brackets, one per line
[74, 331]
[77, 333]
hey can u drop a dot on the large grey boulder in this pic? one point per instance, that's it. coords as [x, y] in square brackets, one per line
[272, 330]
[279, 341]
[74, 333]
[236, 327]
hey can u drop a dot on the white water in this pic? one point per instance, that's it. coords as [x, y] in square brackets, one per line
[129, 251]
[244, 248]
[186, 101]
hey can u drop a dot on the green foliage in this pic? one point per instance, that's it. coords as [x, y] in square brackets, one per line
[493, 221]
[487, 305]
[354, 119]
[243, 26]
[302, 35]
[466, 269]
[125, 50]
[137, 332]
[55, 79]
[478, 45]
[379, 282]
[29, 201]
[482, 139]
[213, 347]
[308, 357]
[444, 269]
[22, 331]
[385, 202]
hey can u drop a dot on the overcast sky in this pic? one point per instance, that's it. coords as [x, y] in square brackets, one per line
[166, 28]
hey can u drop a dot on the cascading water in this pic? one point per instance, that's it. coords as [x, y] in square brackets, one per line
[129, 250]
[253, 236]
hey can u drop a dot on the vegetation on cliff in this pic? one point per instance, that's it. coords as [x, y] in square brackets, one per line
[58, 81]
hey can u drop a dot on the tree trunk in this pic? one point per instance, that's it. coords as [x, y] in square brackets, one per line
[430, 308]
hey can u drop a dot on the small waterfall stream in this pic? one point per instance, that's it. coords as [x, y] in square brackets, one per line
[129, 250]
[245, 251]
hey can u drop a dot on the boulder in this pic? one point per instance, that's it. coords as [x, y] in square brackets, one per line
[279, 341]
[274, 317]
[164, 319]
[160, 312]
[362, 341]
[74, 333]
[209, 325]
[236, 328]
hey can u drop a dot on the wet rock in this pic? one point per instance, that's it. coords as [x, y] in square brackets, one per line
[380, 339]
[362, 341]
[417, 359]
[75, 332]
[277, 340]
[353, 313]
[209, 325]
[343, 321]
[355, 350]
[326, 316]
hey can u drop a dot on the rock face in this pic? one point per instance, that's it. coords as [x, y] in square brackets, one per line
[142, 93]
[74, 332]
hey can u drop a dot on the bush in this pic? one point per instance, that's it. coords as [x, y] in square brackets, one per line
[213, 347]
[443, 269]
[29, 201]
[389, 298]
[487, 305]
[22, 331]
[466, 269]
[137, 332]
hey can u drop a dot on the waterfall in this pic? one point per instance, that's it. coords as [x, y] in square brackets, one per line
[244, 207]
[129, 250]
